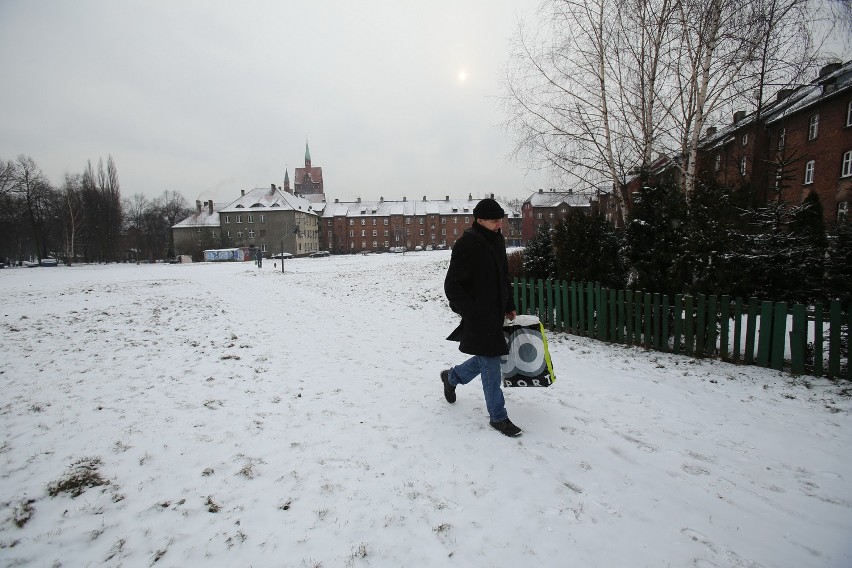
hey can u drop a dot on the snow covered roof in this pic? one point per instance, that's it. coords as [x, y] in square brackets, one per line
[787, 103]
[554, 198]
[262, 198]
[383, 208]
[202, 218]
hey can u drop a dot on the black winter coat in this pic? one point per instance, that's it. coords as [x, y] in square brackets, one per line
[477, 286]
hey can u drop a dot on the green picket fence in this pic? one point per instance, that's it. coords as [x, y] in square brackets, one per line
[768, 334]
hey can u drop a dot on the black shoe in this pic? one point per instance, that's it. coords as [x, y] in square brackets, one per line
[506, 428]
[449, 390]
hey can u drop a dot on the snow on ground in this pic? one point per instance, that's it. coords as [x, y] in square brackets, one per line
[238, 416]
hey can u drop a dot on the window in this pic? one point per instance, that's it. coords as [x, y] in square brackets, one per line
[849, 114]
[227, 218]
[374, 221]
[466, 220]
[249, 219]
[782, 138]
[408, 220]
[351, 234]
[386, 232]
[251, 234]
[375, 233]
[717, 163]
[813, 127]
[386, 221]
[228, 234]
[329, 221]
[444, 232]
[541, 215]
[846, 170]
[809, 172]
[329, 236]
[422, 220]
[262, 248]
[422, 232]
[239, 234]
[239, 219]
[743, 166]
[351, 222]
[455, 220]
[745, 139]
[363, 222]
[363, 233]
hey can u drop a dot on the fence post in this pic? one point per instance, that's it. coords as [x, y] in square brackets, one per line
[678, 323]
[517, 297]
[751, 330]
[798, 340]
[637, 324]
[575, 325]
[689, 329]
[628, 317]
[619, 333]
[590, 309]
[566, 314]
[818, 339]
[665, 336]
[549, 303]
[603, 317]
[764, 340]
[724, 325]
[701, 326]
[581, 308]
[834, 323]
[738, 328]
[655, 338]
[613, 333]
[711, 325]
[779, 335]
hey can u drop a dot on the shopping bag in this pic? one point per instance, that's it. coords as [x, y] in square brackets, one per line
[528, 362]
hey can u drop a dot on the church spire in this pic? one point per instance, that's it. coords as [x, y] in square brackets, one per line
[307, 155]
[286, 179]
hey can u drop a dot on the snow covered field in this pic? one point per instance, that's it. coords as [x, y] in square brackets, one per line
[236, 416]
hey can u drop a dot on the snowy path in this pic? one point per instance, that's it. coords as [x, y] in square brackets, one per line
[245, 417]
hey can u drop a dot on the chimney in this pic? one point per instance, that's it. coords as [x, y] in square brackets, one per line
[738, 116]
[359, 200]
[404, 199]
[242, 192]
[783, 94]
[381, 199]
[210, 208]
[492, 196]
[711, 131]
[424, 198]
[336, 200]
[447, 198]
[541, 190]
[470, 197]
[272, 190]
[197, 207]
[829, 69]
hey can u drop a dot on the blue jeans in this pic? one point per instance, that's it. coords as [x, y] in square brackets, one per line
[489, 368]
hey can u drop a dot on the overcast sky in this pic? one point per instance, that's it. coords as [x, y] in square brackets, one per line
[208, 98]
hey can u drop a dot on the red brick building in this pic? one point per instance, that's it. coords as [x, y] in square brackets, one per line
[549, 208]
[366, 226]
[801, 142]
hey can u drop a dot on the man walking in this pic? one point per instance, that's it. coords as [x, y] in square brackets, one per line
[477, 286]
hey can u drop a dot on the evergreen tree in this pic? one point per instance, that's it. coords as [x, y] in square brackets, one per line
[839, 265]
[539, 261]
[588, 249]
[808, 229]
[710, 237]
[655, 237]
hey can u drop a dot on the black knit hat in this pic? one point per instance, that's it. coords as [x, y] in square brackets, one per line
[488, 209]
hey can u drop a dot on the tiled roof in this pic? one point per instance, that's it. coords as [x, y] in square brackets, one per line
[388, 208]
[271, 199]
[556, 198]
[203, 219]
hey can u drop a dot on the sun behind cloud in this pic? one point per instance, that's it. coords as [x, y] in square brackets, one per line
[462, 76]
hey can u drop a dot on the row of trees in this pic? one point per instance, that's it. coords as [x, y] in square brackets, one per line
[85, 219]
[597, 89]
[711, 244]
